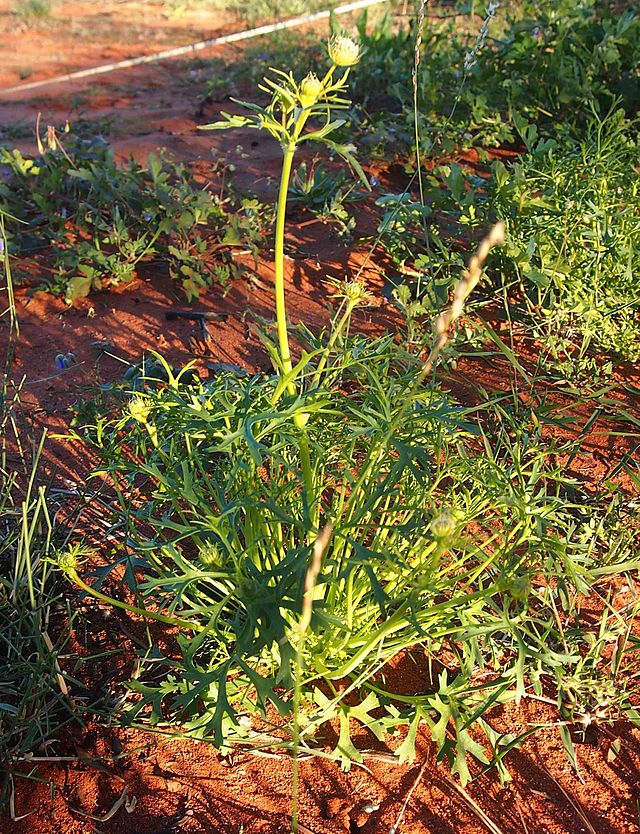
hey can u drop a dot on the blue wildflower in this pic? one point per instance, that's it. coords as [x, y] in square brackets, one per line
[64, 360]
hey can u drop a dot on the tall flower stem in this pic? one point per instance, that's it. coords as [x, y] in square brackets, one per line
[281, 310]
[299, 419]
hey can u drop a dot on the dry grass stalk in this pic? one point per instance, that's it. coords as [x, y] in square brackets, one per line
[465, 286]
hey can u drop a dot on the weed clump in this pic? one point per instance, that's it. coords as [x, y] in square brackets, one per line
[99, 220]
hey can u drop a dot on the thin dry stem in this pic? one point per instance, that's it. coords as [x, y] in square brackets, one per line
[394, 828]
[319, 546]
[472, 805]
[419, 26]
[465, 286]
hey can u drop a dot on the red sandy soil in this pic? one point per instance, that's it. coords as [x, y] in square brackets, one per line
[183, 786]
[78, 35]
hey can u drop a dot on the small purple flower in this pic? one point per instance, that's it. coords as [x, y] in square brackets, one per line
[1, 246]
[146, 216]
[64, 360]
[63, 212]
[374, 182]
[262, 56]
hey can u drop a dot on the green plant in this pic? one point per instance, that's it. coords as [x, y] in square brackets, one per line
[573, 212]
[33, 9]
[441, 537]
[268, 10]
[544, 60]
[101, 219]
[324, 194]
[302, 530]
[285, 119]
[36, 690]
[34, 698]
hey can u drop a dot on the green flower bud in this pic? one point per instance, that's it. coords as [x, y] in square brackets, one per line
[67, 562]
[354, 291]
[520, 588]
[139, 409]
[443, 525]
[310, 90]
[210, 557]
[343, 51]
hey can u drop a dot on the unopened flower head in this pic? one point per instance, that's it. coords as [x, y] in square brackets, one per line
[443, 525]
[520, 588]
[343, 51]
[310, 90]
[209, 556]
[67, 561]
[354, 291]
[139, 409]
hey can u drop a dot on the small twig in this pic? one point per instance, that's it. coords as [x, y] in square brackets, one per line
[394, 828]
[472, 805]
[193, 315]
[525, 827]
[62, 371]
[110, 813]
[575, 805]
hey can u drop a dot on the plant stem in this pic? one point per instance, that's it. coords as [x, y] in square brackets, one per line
[313, 571]
[132, 609]
[299, 419]
[337, 330]
[281, 310]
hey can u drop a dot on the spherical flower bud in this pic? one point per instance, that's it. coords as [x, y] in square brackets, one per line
[520, 588]
[139, 409]
[67, 562]
[343, 51]
[443, 525]
[209, 556]
[310, 90]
